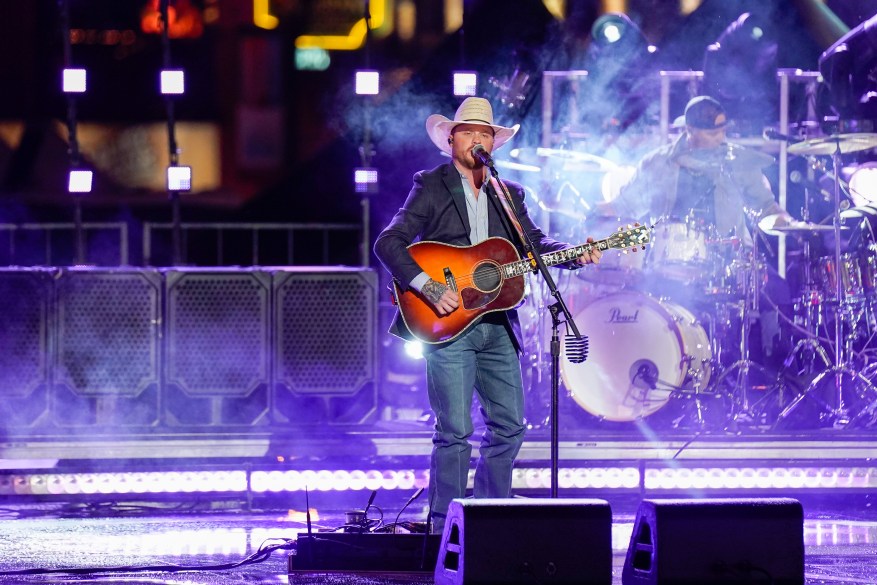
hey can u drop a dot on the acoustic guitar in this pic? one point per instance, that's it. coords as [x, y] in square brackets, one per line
[488, 276]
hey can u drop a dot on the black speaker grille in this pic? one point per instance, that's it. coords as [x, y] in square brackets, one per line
[23, 332]
[107, 338]
[218, 332]
[326, 331]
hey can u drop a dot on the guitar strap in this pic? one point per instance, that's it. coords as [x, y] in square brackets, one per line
[508, 206]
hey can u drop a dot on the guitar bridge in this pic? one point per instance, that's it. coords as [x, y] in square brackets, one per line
[450, 280]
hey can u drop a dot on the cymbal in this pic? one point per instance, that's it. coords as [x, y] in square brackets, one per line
[767, 225]
[830, 144]
[571, 160]
[803, 227]
[727, 155]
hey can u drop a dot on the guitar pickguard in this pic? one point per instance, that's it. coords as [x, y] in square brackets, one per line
[473, 298]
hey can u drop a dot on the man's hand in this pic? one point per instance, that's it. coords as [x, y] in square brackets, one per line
[442, 298]
[592, 256]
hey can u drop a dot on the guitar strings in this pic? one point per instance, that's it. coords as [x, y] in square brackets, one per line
[466, 279]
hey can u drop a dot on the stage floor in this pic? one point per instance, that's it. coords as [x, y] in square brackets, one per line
[840, 539]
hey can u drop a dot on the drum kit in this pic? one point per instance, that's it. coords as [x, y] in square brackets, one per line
[683, 350]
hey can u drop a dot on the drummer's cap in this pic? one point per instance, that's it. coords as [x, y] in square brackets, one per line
[705, 113]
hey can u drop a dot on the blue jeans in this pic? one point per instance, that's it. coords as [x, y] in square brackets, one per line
[484, 360]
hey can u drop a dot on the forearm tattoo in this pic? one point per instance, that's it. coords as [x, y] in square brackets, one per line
[433, 290]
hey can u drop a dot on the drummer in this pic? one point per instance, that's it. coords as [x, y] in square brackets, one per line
[702, 176]
[707, 182]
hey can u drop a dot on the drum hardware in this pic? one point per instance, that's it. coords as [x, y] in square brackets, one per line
[809, 306]
[837, 411]
[743, 411]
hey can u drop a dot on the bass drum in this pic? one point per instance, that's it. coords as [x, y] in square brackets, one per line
[640, 351]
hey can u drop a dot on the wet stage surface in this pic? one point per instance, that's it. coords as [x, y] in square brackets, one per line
[190, 544]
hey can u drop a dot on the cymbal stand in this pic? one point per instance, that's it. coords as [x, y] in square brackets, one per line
[838, 413]
[742, 411]
[809, 347]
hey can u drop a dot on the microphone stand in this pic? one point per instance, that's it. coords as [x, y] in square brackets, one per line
[556, 308]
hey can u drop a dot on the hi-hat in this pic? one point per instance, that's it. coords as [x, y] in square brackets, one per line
[797, 228]
[828, 145]
[804, 227]
[571, 160]
[767, 224]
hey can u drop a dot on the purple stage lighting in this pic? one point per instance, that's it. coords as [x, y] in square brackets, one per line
[465, 83]
[179, 178]
[73, 80]
[365, 180]
[79, 181]
[173, 81]
[367, 82]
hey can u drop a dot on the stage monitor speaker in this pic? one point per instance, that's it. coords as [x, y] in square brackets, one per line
[716, 542]
[217, 346]
[517, 541]
[325, 345]
[107, 360]
[24, 346]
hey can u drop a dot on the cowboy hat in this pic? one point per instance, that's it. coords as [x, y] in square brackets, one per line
[473, 110]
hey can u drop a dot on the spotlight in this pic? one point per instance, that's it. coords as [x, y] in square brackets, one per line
[414, 349]
[179, 178]
[173, 82]
[365, 180]
[367, 82]
[79, 181]
[73, 80]
[739, 70]
[614, 28]
[620, 84]
[465, 83]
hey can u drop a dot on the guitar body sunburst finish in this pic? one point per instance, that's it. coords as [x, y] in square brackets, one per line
[476, 270]
[488, 276]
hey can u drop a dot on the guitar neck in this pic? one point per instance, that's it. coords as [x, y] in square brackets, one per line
[520, 267]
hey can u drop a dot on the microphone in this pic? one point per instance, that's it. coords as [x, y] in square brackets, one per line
[482, 155]
[576, 348]
[772, 134]
[371, 500]
[799, 178]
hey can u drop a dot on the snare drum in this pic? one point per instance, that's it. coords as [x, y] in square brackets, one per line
[640, 349]
[679, 251]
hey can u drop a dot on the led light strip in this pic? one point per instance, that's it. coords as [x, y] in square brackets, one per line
[652, 479]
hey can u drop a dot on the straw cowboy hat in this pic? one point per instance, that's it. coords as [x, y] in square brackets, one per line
[473, 110]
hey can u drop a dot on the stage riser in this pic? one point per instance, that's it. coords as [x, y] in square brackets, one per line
[182, 349]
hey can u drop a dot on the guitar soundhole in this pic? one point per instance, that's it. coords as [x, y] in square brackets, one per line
[487, 276]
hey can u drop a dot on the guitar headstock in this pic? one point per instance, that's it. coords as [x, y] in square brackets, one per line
[632, 237]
